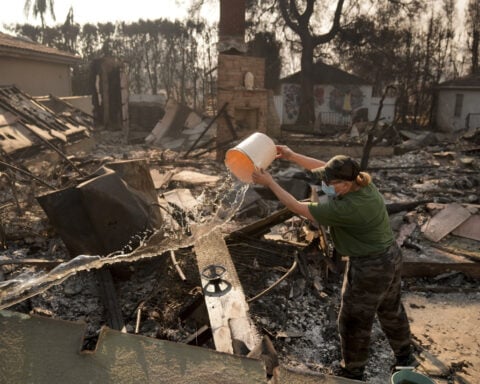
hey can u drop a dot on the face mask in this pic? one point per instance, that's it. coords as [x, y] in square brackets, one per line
[329, 190]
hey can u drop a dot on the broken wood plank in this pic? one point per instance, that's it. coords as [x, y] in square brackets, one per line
[192, 177]
[471, 255]
[227, 308]
[182, 198]
[469, 229]
[220, 112]
[160, 179]
[445, 221]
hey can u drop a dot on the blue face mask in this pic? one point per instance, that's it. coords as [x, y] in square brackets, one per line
[329, 190]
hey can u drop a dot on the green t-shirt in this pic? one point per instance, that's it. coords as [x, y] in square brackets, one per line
[359, 222]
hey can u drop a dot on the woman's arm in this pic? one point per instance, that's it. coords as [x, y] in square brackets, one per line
[300, 208]
[284, 152]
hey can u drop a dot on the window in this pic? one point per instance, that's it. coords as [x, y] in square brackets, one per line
[458, 105]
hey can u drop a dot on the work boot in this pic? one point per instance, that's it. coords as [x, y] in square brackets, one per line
[344, 372]
[405, 361]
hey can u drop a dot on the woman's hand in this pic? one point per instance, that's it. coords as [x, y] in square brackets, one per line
[283, 152]
[262, 177]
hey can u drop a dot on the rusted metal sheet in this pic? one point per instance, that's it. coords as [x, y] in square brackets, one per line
[102, 214]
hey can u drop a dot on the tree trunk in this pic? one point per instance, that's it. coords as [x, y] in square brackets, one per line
[306, 115]
[475, 53]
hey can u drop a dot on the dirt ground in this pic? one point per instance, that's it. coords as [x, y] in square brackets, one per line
[299, 315]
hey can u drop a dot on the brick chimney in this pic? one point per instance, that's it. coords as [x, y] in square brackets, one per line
[240, 84]
[232, 26]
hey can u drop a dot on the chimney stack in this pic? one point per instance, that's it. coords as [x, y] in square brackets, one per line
[232, 26]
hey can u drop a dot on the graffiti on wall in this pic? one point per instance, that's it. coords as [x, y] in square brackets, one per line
[319, 95]
[291, 101]
[344, 99]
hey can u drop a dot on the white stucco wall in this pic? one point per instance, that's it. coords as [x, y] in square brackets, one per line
[445, 111]
[37, 78]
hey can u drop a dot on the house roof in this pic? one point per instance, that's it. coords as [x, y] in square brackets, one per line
[327, 74]
[469, 81]
[11, 46]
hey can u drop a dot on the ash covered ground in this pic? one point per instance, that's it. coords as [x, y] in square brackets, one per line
[299, 315]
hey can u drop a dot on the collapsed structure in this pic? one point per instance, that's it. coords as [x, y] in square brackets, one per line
[197, 277]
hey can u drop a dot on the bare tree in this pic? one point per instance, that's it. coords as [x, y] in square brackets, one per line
[300, 22]
[473, 30]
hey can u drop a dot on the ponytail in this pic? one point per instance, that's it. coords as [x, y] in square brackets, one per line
[363, 179]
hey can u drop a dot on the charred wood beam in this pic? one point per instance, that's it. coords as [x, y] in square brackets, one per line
[108, 294]
[260, 227]
[194, 145]
[217, 147]
[404, 206]
[429, 269]
[475, 256]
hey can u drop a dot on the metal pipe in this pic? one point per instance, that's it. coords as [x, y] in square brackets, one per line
[288, 273]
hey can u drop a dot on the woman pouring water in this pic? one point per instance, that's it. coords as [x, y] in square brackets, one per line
[360, 229]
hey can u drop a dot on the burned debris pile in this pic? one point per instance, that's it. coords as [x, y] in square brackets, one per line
[115, 235]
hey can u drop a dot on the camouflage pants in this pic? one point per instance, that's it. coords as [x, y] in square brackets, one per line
[372, 285]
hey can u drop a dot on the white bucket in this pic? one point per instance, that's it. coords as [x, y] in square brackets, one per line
[256, 151]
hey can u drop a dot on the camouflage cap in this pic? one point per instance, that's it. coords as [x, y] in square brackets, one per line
[339, 167]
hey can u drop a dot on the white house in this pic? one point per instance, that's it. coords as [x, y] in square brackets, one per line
[337, 95]
[457, 104]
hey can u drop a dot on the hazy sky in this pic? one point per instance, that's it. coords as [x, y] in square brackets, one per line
[94, 11]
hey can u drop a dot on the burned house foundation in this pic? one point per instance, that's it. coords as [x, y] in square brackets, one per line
[147, 261]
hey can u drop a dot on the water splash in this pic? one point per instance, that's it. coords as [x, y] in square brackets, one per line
[227, 201]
